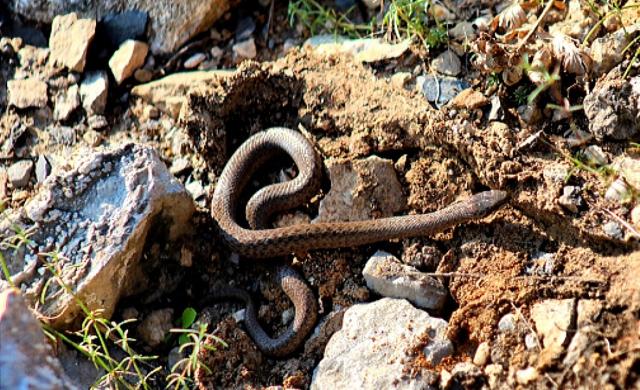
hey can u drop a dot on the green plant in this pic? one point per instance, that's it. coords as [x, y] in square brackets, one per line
[187, 319]
[183, 371]
[408, 19]
[547, 79]
[317, 18]
[521, 94]
[615, 10]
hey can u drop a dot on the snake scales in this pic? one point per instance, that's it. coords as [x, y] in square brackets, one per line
[259, 241]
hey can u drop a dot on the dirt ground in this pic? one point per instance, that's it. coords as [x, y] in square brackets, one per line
[491, 267]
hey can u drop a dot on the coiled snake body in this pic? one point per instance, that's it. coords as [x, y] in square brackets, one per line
[262, 242]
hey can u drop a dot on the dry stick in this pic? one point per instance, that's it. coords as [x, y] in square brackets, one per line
[532, 277]
[544, 13]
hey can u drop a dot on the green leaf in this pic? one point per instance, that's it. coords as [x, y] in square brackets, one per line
[188, 317]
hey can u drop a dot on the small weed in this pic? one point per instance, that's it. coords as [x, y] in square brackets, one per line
[548, 79]
[186, 320]
[183, 372]
[493, 79]
[521, 94]
[317, 18]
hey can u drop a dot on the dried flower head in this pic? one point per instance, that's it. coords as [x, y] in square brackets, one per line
[511, 17]
[540, 65]
[573, 59]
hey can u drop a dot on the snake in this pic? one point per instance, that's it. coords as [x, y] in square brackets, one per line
[256, 240]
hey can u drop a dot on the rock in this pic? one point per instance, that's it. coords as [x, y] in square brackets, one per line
[635, 216]
[43, 169]
[97, 122]
[244, 50]
[494, 373]
[19, 173]
[143, 75]
[119, 27]
[245, 28]
[469, 99]
[27, 358]
[629, 169]
[618, 191]
[422, 257]
[374, 346]
[98, 215]
[440, 90]
[588, 310]
[196, 189]
[356, 186]
[596, 155]
[387, 276]
[482, 355]
[497, 111]
[554, 319]
[507, 323]
[179, 165]
[613, 107]
[129, 57]
[362, 50]
[155, 326]
[66, 103]
[63, 135]
[168, 93]
[613, 230]
[171, 24]
[531, 342]
[69, 40]
[399, 79]
[194, 60]
[94, 91]
[570, 199]
[447, 63]
[526, 375]
[555, 172]
[463, 31]
[608, 51]
[92, 137]
[465, 375]
[4, 180]
[27, 93]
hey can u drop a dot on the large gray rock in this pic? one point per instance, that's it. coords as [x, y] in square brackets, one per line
[387, 276]
[26, 359]
[171, 22]
[98, 216]
[613, 107]
[376, 344]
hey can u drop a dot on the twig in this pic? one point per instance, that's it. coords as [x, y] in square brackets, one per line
[623, 222]
[543, 15]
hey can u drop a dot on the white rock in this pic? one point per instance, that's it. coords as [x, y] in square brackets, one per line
[194, 60]
[526, 375]
[507, 323]
[66, 103]
[613, 230]
[618, 190]
[27, 93]
[553, 319]
[482, 355]
[154, 328]
[69, 40]
[373, 346]
[129, 57]
[245, 49]
[94, 90]
[387, 276]
[20, 172]
[27, 360]
[447, 63]
[596, 155]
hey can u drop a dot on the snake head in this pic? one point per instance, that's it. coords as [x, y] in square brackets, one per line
[484, 203]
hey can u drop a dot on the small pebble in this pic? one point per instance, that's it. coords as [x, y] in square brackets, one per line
[635, 216]
[507, 323]
[92, 137]
[143, 75]
[526, 375]
[43, 168]
[216, 52]
[97, 122]
[20, 172]
[530, 341]
[195, 60]
[482, 355]
[570, 198]
[596, 155]
[613, 230]
[245, 49]
[618, 190]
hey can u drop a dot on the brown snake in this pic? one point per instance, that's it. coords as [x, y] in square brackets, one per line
[262, 242]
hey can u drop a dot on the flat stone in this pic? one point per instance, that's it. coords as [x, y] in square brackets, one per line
[570, 199]
[440, 90]
[526, 375]
[43, 169]
[169, 93]
[588, 311]
[387, 276]
[399, 79]
[195, 60]
[356, 185]
[363, 49]
[27, 358]
[94, 91]
[69, 40]
[63, 135]
[554, 320]
[447, 63]
[244, 50]
[66, 103]
[375, 344]
[469, 99]
[27, 93]
[98, 215]
[19, 173]
[129, 57]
